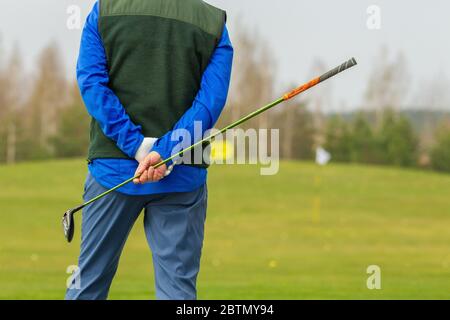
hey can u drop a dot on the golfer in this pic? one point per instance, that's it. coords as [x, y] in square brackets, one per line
[148, 69]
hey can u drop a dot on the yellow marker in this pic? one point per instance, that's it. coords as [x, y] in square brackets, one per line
[316, 199]
[221, 151]
[316, 210]
[317, 181]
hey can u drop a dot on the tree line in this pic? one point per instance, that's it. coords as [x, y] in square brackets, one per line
[42, 115]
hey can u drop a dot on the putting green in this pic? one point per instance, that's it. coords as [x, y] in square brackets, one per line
[306, 233]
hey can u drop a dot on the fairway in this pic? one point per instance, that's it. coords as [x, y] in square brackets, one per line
[306, 233]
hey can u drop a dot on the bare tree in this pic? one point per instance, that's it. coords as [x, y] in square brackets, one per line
[10, 101]
[297, 136]
[253, 77]
[289, 129]
[3, 105]
[72, 138]
[434, 94]
[388, 83]
[48, 96]
[319, 100]
[14, 71]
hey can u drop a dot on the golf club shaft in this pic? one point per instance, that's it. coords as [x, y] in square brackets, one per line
[346, 65]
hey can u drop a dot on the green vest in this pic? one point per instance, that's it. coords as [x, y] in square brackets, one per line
[157, 51]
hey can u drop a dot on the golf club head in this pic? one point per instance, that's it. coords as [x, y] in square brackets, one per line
[68, 223]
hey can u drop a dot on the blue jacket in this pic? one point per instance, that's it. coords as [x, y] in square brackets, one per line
[105, 107]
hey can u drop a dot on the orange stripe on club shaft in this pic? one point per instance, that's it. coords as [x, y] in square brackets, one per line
[300, 89]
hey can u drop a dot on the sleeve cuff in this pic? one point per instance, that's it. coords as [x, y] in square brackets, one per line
[136, 147]
[144, 148]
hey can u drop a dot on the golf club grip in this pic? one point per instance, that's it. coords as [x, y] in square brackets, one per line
[346, 65]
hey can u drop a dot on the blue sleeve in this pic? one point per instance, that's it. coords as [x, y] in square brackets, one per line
[101, 102]
[210, 100]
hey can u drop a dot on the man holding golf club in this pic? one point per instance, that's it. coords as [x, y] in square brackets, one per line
[147, 69]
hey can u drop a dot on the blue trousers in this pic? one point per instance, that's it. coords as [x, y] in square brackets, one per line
[174, 227]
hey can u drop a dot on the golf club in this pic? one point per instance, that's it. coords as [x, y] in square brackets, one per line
[68, 221]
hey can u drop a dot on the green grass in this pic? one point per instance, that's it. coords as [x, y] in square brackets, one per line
[266, 238]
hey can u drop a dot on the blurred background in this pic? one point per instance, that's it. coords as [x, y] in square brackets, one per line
[310, 231]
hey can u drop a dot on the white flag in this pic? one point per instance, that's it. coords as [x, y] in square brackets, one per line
[322, 156]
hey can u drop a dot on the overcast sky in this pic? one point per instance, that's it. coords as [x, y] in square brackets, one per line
[298, 32]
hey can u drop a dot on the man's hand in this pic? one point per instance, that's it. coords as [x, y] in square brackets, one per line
[146, 171]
